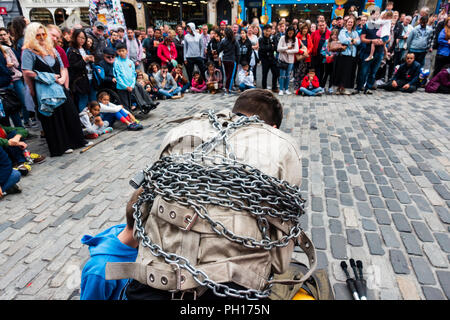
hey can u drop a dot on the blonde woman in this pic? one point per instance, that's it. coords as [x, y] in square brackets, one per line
[62, 128]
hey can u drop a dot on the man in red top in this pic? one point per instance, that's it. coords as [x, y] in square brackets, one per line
[310, 85]
[318, 39]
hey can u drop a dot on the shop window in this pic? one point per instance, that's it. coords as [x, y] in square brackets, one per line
[41, 15]
[84, 15]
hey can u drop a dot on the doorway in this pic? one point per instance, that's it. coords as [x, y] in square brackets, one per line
[224, 11]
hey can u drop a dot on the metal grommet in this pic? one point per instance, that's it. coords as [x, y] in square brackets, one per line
[187, 219]
[182, 279]
[164, 280]
[172, 214]
[151, 277]
[161, 209]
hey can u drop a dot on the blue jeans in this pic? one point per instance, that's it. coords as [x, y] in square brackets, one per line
[185, 87]
[244, 87]
[12, 180]
[312, 92]
[368, 72]
[19, 88]
[284, 77]
[168, 94]
[84, 99]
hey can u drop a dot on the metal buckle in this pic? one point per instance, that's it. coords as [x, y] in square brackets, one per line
[191, 222]
[178, 277]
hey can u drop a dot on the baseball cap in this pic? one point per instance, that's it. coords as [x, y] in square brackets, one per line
[223, 22]
[110, 51]
[99, 24]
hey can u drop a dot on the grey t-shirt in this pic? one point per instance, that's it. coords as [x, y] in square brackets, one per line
[29, 57]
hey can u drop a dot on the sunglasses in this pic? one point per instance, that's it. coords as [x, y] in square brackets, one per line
[41, 36]
[109, 57]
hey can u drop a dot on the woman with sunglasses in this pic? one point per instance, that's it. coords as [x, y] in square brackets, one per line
[62, 128]
[80, 70]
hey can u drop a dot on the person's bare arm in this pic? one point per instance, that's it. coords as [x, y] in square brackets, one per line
[29, 76]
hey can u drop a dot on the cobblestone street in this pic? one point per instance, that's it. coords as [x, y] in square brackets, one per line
[376, 177]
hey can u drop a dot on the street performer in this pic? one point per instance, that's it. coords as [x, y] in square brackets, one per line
[218, 215]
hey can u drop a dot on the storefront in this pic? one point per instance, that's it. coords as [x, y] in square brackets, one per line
[159, 13]
[9, 10]
[54, 11]
[298, 9]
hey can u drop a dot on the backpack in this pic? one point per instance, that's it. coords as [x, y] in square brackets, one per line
[99, 75]
[10, 100]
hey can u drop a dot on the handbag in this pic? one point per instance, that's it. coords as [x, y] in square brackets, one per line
[282, 65]
[10, 100]
[337, 46]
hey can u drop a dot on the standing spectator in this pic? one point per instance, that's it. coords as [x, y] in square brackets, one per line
[5, 37]
[167, 53]
[236, 33]
[125, 74]
[99, 41]
[401, 45]
[113, 40]
[193, 49]
[245, 48]
[5, 83]
[212, 49]
[406, 78]
[56, 36]
[62, 128]
[147, 47]
[345, 65]
[368, 70]
[134, 47]
[178, 40]
[230, 48]
[303, 58]
[205, 40]
[287, 48]
[329, 57]
[424, 12]
[80, 70]
[66, 38]
[266, 52]
[18, 26]
[166, 84]
[318, 39]
[121, 34]
[253, 62]
[443, 51]
[419, 41]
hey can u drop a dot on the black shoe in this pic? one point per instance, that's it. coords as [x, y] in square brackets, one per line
[14, 189]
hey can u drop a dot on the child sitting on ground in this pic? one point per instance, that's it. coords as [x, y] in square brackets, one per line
[245, 77]
[384, 31]
[198, 84]
[149, 84]
[213, 78]
[310, 85]
[93, 124]
[118, 112]
[180, 79]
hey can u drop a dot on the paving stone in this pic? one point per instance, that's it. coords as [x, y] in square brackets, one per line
[335, 226]
[341, 292]
[435, 255]
[433, 197]
[316, 204]
[443, 240]
[322, 260]
[354, 237]
[372, 189]
[319, 238]
[412, 213]
[411, 245]
[393, 205]
[346, 200]
[331, 193]
[401, 223]
[374, 243]
[317, 220]
[23, 221]
[83, 211]
[381, 180]
[80, 195]
[442, 191]
[389, 237]
[415, 171]
[359, 194]
[382, 216]
[422, 270]
[366, 176]
[422, 203]
[390, 172]
[407, 288]
[376, 202]
[369, 225]
[431, 293]
[398, 261]
[422, 231]
[434, 179]
[444, 281]
[343, 187]
[387, 192]
[403, 197]
[443, 214]
[341, 175]
[443, 175]
[364, 209]
[338, 246]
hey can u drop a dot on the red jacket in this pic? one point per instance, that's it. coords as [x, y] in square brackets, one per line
[315, 82]
[165, 55]
[309, 45]
[316, 39]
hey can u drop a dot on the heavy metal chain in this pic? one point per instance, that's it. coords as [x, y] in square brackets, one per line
[198, 178]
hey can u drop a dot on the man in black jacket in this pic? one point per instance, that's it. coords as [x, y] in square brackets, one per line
[107, 63]
[267, 49]
[407, 76]
[99, 41]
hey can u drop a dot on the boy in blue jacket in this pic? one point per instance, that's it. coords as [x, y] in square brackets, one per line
[125, 74]
[115, 244]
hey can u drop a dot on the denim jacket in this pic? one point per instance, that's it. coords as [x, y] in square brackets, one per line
[50, 94]
[345, 38]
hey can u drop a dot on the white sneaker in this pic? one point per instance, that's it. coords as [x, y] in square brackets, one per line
[90, 143]
[287, 92]
[269, 88]
[68, 151]
[280, 93]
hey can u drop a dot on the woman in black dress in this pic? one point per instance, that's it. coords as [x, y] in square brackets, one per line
[62, 129]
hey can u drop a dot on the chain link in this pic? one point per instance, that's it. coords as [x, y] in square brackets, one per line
[197, 179]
